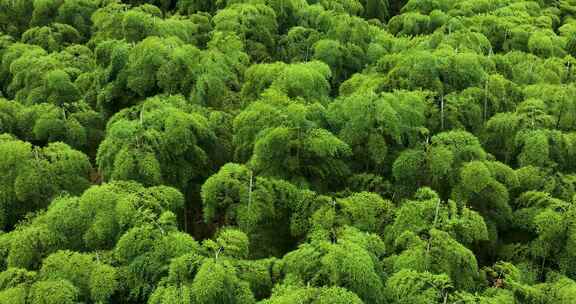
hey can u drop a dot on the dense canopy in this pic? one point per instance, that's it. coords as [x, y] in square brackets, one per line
[287, 151]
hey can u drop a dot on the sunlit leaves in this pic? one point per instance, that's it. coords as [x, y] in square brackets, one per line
[35, 175]
[374, 124]
[155, 142]
[304, 156]
[346, 264]
[255, 24]
[306, 80]
[53, 292]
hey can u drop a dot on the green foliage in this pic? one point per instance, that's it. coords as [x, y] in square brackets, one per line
[348, 259]
[409, 286]
[365, 211]
[16, 295]
[437, 163]
[271, 111]
[255, 24]
[33, 176]
[53, 292]
[236, 196]
[307, 157]
[374, 125]
[438, 254]
[216, 282]
[287, 151]
[428, 211]
[308, 295]
[52, 38]
[95, 221]
[94, 280]
[144, 252]
[305, 80]
[485, 187]
[161, 140]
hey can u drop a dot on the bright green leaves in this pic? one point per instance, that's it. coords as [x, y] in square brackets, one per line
[429, 235]
[535, 149]
[409, 286]
[59, 89]
[485, 186]
[217, 273]
[167, 65]
[95, 221]
[437, 163]
[297, 44]
[350, 263]
[236, 196]
[415, 23]
[13, 277]
[51, 38]
[77, 14]
[409, 167]
[144, 252]
[216, 282]
[463, 145]
[550, 222]
[475, 176]
[158, 141]
[305, 80]
[528, 136]
[374, 124]
[309, 295]
[545, 44]
[442, 71]
[271, 111]
[119, 21]
[255, 24]
[17, 17]
[136, 165]
[53, 292]
[27, 247]
[556, 103]
[145, 62]
[233, 243]
[94, 280]
[304, 156]
[103, 282]
[220, 76]
[211, 281]
[437, 253]
[290, 144]
[560, 289]
[394, 148]
[343, 61]
[33, 176]
[14, 283]
[37, 77]
[227, 187]
[171, 294]
[428, 211]
[16, 295]
[365, 211]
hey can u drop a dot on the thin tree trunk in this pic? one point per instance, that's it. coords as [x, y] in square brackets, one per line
[485, 102]
[442, 111]
[250, 190]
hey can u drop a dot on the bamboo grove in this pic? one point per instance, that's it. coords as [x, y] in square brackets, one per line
[287, 151]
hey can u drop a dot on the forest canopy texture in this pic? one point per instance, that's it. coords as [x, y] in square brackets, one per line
[287, 151]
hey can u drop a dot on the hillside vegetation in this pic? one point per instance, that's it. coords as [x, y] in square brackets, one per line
[287, 152]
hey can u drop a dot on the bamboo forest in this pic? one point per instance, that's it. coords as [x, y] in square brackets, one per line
[287, 152]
